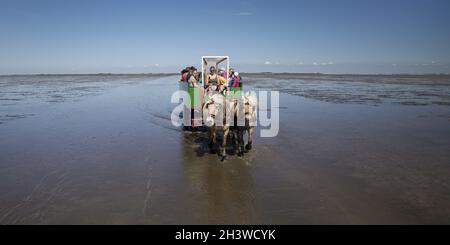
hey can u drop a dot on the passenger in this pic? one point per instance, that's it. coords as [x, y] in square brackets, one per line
[184, 74]
[222, 81]
[181, 73]
[193, 78]
[211, 80]
[222, 72]
[235, 81]
[230, 73]
[196, 75]
[230, 76]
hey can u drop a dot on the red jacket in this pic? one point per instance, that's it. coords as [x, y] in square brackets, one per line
[235, 82]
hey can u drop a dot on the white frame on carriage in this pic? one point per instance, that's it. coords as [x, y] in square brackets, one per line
[218, 59]
[207, 61]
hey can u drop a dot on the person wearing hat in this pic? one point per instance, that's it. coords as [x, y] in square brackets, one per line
[236, 80]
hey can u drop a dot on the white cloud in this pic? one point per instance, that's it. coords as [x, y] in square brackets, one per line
[154, 65]
[432, 63]
[267, 63]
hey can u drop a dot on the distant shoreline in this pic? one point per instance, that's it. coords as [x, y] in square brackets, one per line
[90, 74]
[243, 73]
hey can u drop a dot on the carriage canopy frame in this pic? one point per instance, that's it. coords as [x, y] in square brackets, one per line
[208, 61]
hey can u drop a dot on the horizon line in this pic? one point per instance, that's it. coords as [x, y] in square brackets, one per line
[262, 73]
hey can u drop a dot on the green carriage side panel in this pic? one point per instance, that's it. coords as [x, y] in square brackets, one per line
[236, 92]
[194, 94]
[233, 89]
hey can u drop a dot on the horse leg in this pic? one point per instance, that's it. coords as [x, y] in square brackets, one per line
[250, 138]
[240, 138]
[226, 131]
[235, 138]
[212, 137]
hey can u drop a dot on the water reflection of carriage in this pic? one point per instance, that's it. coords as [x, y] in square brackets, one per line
[228, 110]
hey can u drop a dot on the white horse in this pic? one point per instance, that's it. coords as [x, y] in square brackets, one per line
[250, 103]
[214, 110]
[218, 109]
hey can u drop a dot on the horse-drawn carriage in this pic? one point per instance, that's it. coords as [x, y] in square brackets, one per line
[224, 108]
[198, 96]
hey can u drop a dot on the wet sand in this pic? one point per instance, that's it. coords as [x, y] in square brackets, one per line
[109, 155]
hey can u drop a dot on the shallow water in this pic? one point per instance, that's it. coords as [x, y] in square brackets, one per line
[109, 155]
[361, 89]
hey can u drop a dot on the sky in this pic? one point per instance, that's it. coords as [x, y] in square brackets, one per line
[100, 36]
